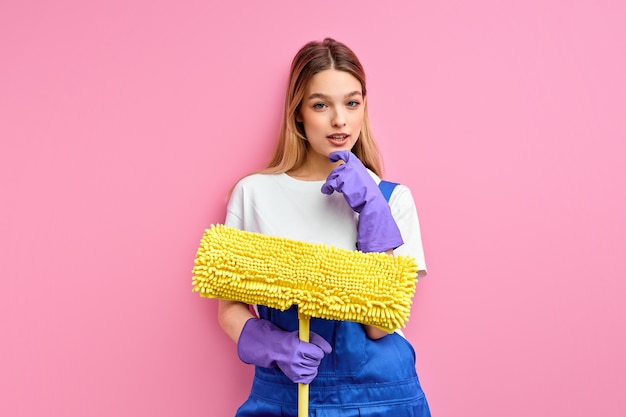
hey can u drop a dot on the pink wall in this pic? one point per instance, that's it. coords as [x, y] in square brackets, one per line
[124, 123]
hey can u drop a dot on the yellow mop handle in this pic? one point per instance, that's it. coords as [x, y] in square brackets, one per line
[304, 324]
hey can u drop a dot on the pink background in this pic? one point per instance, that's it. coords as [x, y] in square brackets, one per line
[123, 125]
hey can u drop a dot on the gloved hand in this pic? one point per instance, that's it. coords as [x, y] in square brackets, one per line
[377, 230]
[264, 344]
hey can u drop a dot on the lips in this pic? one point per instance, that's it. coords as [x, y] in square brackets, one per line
[338, 138]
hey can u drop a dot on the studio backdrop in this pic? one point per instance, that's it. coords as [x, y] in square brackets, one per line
[124, 124]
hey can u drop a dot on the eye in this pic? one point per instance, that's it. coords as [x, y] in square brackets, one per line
[353, 103]
[319, 106]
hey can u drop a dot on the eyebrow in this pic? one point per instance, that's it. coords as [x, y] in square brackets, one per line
[325, 97]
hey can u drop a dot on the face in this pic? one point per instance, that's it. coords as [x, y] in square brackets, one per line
[332, 112]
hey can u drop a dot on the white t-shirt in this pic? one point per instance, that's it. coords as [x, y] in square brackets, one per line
[279, 205]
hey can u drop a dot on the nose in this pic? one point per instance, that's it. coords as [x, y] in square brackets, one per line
[339, 119]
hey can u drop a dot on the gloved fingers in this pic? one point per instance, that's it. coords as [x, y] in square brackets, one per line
[302, 368]
[310, 360]
[330, 186]
[298, 372]
[302, 376]
[340, 155]
[320, 342]
[348, 157]
[335, 180]
[306, 370]
[352, 163]
[309, 354]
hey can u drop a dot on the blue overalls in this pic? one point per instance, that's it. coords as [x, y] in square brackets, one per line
[360, 378]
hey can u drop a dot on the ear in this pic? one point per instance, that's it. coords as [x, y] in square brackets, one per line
[298, 117]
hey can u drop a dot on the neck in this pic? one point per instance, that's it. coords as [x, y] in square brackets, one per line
[314, 168]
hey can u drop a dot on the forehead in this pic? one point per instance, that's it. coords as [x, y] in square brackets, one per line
[333, 83]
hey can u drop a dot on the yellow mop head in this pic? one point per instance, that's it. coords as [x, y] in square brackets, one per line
[323, 281]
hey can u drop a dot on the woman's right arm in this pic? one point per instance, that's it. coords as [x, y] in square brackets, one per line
[232, 315]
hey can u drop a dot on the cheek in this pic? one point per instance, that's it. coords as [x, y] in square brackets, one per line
[357, 126]
[357, 119]
[313, 122]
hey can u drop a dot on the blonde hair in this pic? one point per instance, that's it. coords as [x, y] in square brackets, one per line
[312, 58]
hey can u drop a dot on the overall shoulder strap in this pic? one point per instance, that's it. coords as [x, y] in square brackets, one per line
[386, 187]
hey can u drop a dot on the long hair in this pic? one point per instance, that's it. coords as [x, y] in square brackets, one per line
[314, 57]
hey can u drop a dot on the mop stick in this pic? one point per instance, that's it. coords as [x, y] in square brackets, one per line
[304, 331]
[322, 281]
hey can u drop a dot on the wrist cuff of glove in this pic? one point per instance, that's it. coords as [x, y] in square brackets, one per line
[381, 245]
[250, 346]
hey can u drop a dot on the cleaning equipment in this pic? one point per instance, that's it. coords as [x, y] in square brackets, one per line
[322, 281]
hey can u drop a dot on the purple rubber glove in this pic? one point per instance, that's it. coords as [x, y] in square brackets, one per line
[264, 344]
[377, 230]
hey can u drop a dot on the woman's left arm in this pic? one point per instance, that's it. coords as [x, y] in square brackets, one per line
[405, 215]
[373, 332]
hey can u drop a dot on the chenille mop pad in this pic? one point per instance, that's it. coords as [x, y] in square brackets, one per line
[323, 281]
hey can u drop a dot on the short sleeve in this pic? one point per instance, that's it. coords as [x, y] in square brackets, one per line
[405, 214]
[234, 209]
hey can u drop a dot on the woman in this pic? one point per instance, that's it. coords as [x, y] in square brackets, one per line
[322, 187]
